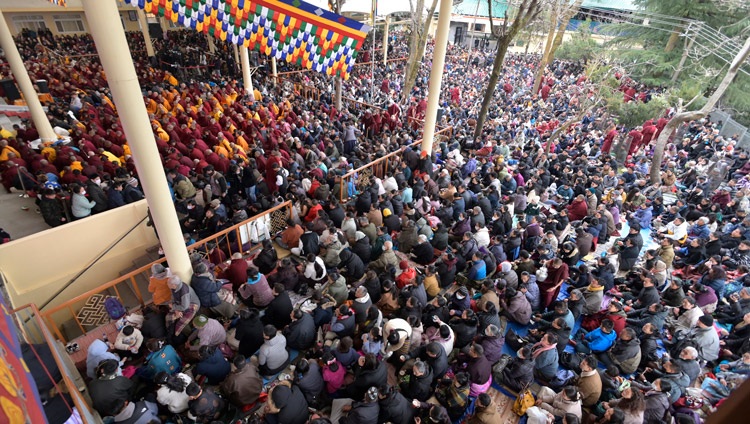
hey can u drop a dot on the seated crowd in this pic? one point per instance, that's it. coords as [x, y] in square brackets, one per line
[508, 260]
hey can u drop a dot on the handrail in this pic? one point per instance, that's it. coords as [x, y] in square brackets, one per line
[48, 314]
[88, 267]
[80, 404]
[376, 163]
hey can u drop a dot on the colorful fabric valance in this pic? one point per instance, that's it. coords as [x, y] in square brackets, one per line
[289, 30]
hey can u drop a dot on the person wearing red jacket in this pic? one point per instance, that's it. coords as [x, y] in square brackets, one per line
[577, 210]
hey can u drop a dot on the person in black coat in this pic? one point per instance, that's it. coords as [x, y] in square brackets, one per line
[445, 268]
[649, 347]
[366, 412]
[391, 221]
[286, 405]
[267, 258]
[351, 265]
[368, 372]
[362, 249]
[278, 312]
[394, 407]
[423, 253]
[434, 355]
[440, 238]
[109, 388]
[419, 384]
[300, 333]
[464, 328]
[519, 372]
[249, 332]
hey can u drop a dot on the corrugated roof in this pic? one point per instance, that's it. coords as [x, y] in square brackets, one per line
[479, 7]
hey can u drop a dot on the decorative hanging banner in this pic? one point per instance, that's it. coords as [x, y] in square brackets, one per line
[58, 2]
[289, 30]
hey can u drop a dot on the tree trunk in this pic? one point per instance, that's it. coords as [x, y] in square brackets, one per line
[545, 54]
[684, 57]
[497, 66]
[672, 42]
[567, 16]
[527, 12]
[417, 42]
[553, 43]
[674, 123]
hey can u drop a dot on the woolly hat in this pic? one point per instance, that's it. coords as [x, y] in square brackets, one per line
[200, 321]
[403, 265]
[386, 212]
[505, 266]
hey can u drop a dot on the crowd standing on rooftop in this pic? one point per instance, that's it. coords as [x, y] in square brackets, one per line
[506, 260]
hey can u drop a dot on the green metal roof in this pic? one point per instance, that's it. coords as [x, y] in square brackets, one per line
[479, 7]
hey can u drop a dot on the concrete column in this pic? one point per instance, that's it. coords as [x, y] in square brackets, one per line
[436, 75]
[385, 40]
[143, 23]
[211, 45]
[247, 79]
[105, 27]
[38, 115]
[163, 23]
[236, 55]
[273, 70]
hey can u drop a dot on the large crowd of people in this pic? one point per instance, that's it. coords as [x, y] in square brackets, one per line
[513, 263]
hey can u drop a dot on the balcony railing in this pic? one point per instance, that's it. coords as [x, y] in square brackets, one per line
[35, 332]
[379, 168]
[87, 309]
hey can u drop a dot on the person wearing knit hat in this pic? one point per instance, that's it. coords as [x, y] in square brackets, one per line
[200, 321]
[706, 339]
[407, 275]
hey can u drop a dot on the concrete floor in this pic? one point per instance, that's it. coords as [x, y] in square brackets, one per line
[16, 220]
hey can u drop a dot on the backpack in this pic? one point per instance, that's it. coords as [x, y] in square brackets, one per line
[514, 341]
[571, 361]
[524, 401]
[561, 379]
[114, 308]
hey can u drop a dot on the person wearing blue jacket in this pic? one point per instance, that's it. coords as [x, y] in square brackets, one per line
[546, 359]
[643, 215]
[599, 340]
[478, 269]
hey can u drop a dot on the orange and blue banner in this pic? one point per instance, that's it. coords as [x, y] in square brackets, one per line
[289, 30]
[19, 398]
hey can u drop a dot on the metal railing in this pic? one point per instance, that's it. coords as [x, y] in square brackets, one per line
[33, 322]
[379, 168]
[86, 309]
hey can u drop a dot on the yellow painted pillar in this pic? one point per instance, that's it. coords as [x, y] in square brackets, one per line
[436, 75]
[105, 28]
[247, 79]
[211, 45]
[273, 70]
[30, 96]
[143, 23]
[385, 41]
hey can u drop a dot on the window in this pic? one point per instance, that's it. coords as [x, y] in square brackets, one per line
[71, 22]
[479, 27]
[30, 22]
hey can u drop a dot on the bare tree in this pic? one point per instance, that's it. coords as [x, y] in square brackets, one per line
[685, 116]
[561, 14]
[420, 25]
[527, 11]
